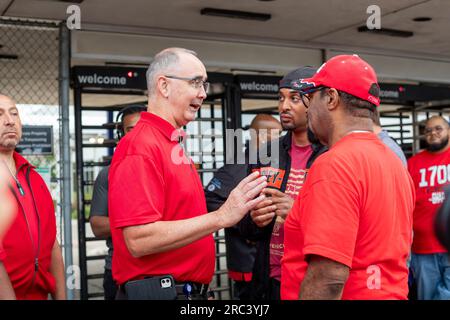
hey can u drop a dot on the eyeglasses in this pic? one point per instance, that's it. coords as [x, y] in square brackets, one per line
[429, 131]
[196, 82]
[306, 96]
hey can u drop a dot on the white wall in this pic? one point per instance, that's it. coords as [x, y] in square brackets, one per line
[405, 68]
[215, 54]
[97, 47]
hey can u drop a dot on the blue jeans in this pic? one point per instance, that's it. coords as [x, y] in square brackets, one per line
[432, 275]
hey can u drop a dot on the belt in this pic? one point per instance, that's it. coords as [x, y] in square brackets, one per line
[185, 290]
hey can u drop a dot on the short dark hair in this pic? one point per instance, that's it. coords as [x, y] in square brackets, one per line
[376, 118]
[132, 109]
[357, 107]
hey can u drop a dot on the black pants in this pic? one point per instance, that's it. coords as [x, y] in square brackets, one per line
[274, 289]
[109, 286]
[242, 290]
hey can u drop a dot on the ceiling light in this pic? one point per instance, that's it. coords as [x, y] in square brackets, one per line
[422, 19]
[252, 70]
[70, 1]
[387, 32]
[9, 56]
[235, 14]
[128, 64]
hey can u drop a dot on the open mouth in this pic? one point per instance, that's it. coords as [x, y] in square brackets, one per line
[195, 106]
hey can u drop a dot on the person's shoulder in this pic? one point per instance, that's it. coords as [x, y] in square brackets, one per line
[38, 183]
[385, 137]
[419, 156]
[231, 172]
[383, 134]
[143, 134]
[143, 141]
[342, 155]
[103, 174]
[336, 152]
[330, 162]
[104, 171]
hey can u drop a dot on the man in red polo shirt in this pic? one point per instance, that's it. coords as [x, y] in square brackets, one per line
[349, 233]
[32, 256]
[159, 222]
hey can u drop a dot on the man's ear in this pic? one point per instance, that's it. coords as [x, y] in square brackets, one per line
[332, 99]
[163, 86]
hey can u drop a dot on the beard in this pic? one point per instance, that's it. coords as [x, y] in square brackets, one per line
[9, 144]
[287, 126]
[434, 147]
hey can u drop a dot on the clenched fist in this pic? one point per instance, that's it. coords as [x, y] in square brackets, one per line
[277, 203]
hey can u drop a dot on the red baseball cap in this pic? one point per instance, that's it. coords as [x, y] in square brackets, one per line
[347, 73]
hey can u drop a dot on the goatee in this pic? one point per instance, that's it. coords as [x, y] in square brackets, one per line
[434, 147]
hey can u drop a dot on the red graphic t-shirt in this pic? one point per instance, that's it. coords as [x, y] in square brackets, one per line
[299, 157]
[430, 173]
[356, 209]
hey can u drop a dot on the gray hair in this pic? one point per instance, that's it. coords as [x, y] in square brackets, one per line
[162, 62]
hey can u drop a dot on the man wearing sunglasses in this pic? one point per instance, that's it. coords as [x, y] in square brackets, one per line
[349, 232]
[430, 171]
[240, 252]
[161, 230]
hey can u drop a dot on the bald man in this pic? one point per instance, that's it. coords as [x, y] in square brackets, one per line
[239, 251]
[31, 256]
[429, 171]
[263, 129]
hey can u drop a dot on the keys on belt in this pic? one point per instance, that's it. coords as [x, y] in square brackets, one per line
[191, 288]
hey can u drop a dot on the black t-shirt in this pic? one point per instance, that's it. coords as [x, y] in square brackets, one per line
[99, 207]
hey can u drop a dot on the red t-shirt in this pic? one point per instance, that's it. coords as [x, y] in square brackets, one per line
[430, 173]
[299, 158]
[240, 276]
[151, 179]
[2, 252]
[355, 208]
